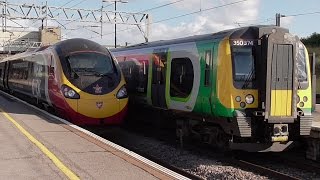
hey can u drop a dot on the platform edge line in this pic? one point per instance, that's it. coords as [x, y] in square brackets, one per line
[45, 150]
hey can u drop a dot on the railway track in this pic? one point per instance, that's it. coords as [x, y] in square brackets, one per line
[118, 136]
[262, 170]
[254, 164]
[294, 159]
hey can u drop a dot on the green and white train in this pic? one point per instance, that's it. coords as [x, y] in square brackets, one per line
[248, 87]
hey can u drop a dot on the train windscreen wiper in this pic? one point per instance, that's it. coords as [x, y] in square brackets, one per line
[248, 79]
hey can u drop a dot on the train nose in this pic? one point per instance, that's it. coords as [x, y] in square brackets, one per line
[99, 107]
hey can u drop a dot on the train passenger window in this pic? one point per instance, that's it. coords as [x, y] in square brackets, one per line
[208, 59]
[20, 69]
[243, 64]
[181, 80]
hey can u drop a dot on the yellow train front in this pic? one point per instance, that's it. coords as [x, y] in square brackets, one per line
[271, 91]
[86, 85]
[77, 78]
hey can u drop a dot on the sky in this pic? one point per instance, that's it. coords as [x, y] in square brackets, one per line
[171, 20]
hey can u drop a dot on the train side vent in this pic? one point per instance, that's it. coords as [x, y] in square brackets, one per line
[305, 125]
[244, 125]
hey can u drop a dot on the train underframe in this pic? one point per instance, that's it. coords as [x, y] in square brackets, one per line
[252, 134]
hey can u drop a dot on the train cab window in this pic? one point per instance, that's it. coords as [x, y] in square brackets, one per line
[87, 64]
[243, 65]
[301, 65]
[181, 80]
[208, 60]
[302, 68]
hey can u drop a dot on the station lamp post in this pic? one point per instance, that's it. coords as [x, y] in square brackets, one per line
[115, 18]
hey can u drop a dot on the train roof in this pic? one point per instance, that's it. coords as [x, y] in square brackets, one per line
[64, 47]
[217, 35]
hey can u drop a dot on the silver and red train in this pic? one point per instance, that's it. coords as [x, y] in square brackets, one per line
[77, 78]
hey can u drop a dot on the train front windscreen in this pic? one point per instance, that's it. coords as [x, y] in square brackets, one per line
[243, 67]
[88, 70]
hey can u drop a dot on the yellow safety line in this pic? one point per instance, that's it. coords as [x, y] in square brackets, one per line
[46, 151]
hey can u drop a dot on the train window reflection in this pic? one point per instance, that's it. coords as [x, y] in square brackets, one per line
[243, 61]
[301, 66]
[181, 80]
[90, 64]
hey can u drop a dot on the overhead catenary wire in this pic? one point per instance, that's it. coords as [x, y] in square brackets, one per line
[284, 16]
[183, 15]
[161, 6]
[78, 4]
[302, 14]
[236, 2]
[63, 25]
[146, 10]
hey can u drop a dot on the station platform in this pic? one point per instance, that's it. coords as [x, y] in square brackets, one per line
[35, 145]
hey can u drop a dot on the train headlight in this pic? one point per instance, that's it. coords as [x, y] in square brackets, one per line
[71, 93]
[238, 98]
[122, 93]
[68, 92]
[301, 104]
[249, 99]
[305, 98]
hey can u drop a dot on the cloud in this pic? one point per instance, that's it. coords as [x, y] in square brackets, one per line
[201, 23]
[208, 21]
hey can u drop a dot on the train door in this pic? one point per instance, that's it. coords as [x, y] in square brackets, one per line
[2, 68]
[158, 85]
[6, 75]
[183, 77]
[208, 79]
[280, 82]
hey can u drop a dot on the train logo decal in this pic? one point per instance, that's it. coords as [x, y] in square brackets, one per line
[97, 89]
[99, 104]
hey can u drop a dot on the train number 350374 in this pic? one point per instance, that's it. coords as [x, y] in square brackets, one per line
[242, 43]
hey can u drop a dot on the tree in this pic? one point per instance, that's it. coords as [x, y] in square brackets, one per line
[312, 41]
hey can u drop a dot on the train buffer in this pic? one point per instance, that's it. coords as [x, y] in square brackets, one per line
[313, 151]
[35, 145]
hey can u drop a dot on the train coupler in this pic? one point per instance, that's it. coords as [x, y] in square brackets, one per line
[279, 138]
[280, 133]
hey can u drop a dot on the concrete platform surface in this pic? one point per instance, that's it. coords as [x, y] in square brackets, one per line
[83, 155]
